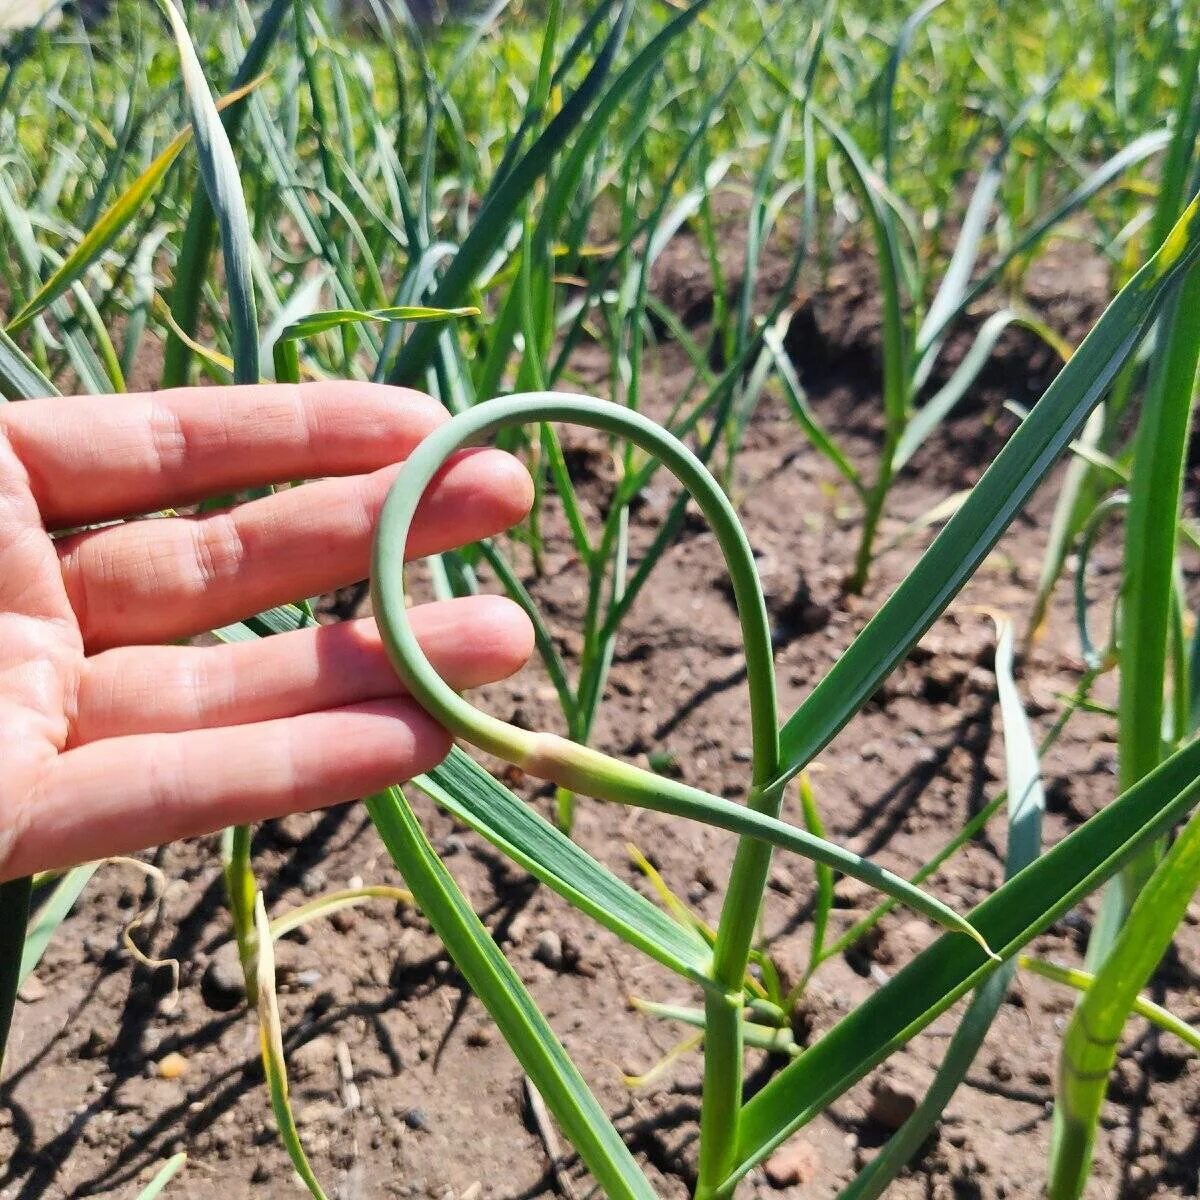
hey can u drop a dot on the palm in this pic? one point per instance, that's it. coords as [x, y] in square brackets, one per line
[41, 648]
[112, 741]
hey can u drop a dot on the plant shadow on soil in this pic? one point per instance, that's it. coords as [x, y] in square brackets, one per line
[372, 1008]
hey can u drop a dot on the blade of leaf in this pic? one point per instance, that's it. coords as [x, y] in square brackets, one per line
[492, 978]
[271, 1042]
[19, 378]
[1026, 805]
[467, 791]
[993, 503]
[110, 224]
[219, 170]
[935, 410]
[1135, 152]
[325, 906]
[1072, 977]
[492, 223]
[163, 1176]
[191, 268]
[50, 915]
[1010, 918]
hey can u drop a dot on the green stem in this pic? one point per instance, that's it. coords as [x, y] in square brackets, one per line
[483, 420]
[1090, 1047]
[240, 888]
[723, 1062]
[721, 1099]
[1156, 486]
[895, 415]
[872, 513]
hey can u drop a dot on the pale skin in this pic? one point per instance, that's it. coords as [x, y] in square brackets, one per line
[111, 738]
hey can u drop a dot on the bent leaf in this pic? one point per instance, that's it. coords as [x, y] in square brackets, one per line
[271, 1042]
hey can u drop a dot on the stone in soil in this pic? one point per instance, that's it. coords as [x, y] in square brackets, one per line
[796, 1163]
[314, 1057]
[549, 949]
[896, 1092]
[223, 986]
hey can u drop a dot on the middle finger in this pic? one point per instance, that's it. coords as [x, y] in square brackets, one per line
[166, 578]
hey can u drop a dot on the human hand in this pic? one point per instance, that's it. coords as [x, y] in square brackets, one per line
[109, 742]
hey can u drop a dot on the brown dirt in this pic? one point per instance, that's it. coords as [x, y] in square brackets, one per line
[443, 1106]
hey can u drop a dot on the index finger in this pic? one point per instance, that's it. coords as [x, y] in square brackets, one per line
[95, 458]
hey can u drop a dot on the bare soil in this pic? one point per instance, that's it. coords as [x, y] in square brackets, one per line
[403, 1088]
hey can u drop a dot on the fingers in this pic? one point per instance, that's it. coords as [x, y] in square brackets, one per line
[168, 689]
[151, 581]
[98, 457]
[88, 803]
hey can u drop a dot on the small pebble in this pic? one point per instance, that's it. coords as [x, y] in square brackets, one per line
[416, 1119]
[222, 985]
[896, 1093]
[549, 950]
[313, 881]
[797, 1163]
[172, 1066]
[32, 990]
[313, 1057]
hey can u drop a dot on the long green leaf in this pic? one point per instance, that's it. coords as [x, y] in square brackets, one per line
[469, 793]
[881, 217]
[494, 221]
[50, 915]
[1026, 803]
[1148, 577]
[219, 170]
[110, 224]
[993, 503]
[948, 302]
[497, 985]
[191, 268]
[1090, 1047]
[19, 378]
[1135, 152]
[888, 106]
[935, 410]
[286, 356]
[1010, 918]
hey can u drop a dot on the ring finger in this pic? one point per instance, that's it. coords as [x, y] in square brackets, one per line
[169, 689]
